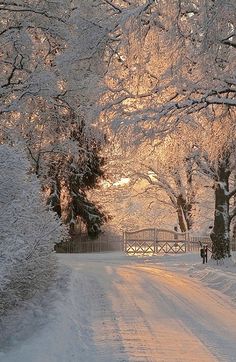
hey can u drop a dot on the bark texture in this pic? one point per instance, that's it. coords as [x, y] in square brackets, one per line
[220, 235]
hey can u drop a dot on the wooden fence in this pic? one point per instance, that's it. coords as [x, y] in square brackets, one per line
[155, 241]
[84, 244]
[195, 242]
[145, 241]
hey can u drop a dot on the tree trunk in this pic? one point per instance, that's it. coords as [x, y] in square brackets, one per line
[220, 235]
[54, 198]
[190, 194]
[184, 213]
[233, 241]
[180, 214]
[189, 218]
[185, 200]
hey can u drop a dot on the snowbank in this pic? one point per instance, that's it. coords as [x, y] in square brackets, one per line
[33, 316]
[221, 277]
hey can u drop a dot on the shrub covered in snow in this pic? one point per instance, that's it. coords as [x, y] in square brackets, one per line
[28, 231]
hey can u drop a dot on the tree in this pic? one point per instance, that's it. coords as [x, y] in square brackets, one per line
[41, 99]
[160, 173]
[130, 207]
[29, 231]
[171, 60]
[31, 36]
[50, 51]
[72, 174]
[169, 169]
[215, 159]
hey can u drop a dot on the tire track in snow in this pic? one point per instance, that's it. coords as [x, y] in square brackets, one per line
[149, 332]
[206, 313]
[95, 318]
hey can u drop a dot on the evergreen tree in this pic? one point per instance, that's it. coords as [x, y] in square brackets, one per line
[74, 175]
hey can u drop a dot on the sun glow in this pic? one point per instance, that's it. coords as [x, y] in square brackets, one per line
[122, 181]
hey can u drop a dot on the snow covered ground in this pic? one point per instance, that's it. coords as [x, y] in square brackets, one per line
[220, 277]
[110, 307]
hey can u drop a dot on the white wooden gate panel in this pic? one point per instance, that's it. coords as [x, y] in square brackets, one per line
[154, 241]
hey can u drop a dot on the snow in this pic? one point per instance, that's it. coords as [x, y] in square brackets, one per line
[221, 276]
[107, 307]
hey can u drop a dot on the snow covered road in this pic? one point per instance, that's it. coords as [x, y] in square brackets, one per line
[120, 308]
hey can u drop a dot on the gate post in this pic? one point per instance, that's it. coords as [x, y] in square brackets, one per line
[187, 240]
[124, 241]
[155, 241]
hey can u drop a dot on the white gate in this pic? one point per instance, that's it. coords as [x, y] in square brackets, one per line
[154, 241]
[140, 242]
